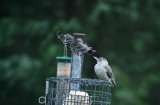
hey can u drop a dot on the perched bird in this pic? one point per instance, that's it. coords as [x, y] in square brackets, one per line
[104, 71]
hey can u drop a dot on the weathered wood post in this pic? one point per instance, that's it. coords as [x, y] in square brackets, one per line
[77, 61]
[63, 70]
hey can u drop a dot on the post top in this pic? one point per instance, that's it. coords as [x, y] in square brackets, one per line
[79, 35]
[64, 59]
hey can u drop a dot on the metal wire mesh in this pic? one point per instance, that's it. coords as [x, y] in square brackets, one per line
[78, 91]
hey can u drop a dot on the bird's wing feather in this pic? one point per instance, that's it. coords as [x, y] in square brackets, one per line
[109, 72]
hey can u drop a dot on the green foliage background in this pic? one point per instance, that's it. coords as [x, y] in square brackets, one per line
[126, 32]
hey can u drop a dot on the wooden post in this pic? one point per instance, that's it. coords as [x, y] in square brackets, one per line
[77, 61]
[63, 70]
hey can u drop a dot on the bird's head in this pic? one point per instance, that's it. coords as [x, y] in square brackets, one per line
[101, 60]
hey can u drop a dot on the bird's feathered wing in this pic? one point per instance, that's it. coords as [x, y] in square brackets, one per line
[110, 74]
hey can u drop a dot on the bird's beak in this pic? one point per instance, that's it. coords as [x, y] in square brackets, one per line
[95, 58]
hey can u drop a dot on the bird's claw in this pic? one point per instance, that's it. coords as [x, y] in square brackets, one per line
[110, 83]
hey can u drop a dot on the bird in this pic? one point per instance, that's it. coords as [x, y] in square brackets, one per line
[104, 71]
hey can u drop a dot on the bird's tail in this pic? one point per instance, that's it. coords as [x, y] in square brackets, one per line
[113, 83]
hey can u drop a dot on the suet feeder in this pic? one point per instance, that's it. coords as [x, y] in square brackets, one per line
[63, 66]
[90, 92]
[68, 88]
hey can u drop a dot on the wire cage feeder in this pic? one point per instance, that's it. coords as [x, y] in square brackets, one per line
[68, 88]
[77, 91]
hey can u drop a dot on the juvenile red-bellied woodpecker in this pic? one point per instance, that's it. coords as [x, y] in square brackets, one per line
[104, 71]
